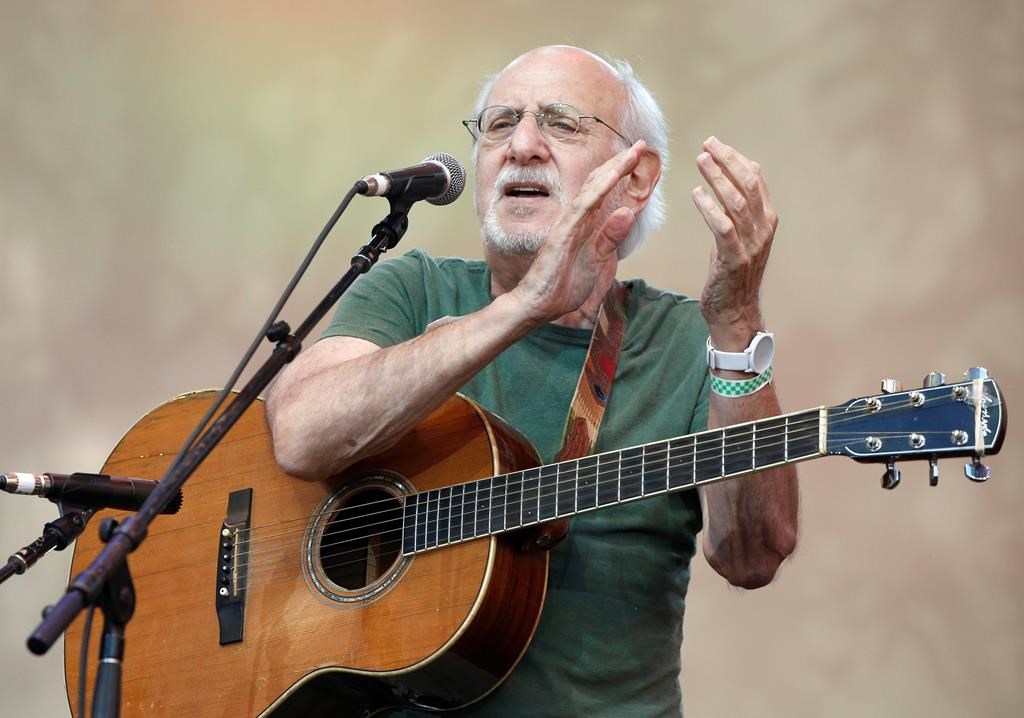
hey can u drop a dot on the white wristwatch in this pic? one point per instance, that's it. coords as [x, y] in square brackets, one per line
[753, 360]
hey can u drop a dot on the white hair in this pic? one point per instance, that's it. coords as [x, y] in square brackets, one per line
[642, 118]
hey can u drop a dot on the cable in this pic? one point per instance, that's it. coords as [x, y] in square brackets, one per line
[262, 333]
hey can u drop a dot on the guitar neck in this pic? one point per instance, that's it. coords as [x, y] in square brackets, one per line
[523, 498]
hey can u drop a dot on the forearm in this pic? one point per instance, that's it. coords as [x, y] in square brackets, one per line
[329, 410]
[752, 521]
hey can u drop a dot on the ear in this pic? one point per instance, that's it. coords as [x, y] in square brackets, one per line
[642, 181]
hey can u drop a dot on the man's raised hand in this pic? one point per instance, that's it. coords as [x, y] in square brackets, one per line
[580, 254]
[743, 221]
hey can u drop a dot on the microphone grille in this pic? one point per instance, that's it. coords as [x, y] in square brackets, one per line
[456, 173]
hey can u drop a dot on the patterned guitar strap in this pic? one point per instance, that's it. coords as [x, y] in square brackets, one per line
[588, 403]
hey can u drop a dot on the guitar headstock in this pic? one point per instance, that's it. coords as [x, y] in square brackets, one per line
[937, 421]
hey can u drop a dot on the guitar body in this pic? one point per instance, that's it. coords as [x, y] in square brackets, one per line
[439, 629]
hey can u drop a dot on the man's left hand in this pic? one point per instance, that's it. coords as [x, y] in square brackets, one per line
[743, 221]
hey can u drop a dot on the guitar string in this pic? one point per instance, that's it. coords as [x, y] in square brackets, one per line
[557, 494]
[714, 451]
[397, 512]
[602, 478]
[459, 525]
[690, 438]
[328, 566]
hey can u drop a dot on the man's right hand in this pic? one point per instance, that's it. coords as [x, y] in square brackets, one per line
[574, 268]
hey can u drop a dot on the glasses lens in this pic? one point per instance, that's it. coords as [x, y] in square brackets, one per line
[498, 122]
[560, 121]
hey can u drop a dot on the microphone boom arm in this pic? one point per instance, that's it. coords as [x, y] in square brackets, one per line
[57, 534]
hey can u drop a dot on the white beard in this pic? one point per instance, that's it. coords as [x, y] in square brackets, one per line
[518, 242]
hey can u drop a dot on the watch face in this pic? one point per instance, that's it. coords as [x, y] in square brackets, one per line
[762, 352]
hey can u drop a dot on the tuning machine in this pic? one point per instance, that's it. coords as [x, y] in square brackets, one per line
[891, 477]
[977, 471]
[891, 386]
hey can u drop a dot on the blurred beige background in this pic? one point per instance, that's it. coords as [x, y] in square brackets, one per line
[164, 166]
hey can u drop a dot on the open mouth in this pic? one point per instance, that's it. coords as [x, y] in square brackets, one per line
[528, 191]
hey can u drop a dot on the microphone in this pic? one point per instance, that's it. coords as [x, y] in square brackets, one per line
[90, 490]
[439, 179]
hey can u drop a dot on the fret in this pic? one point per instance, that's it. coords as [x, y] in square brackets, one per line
[723, 453]
[483, 507]
[738, 450]
[455, 522]
[615, 477]
[531, 491]
[469, 511]
[680, 462]
[498, 503]
[576, 486]
[802, 435]
[548, 491]
[631, 473]
[433, 507]
[693, 461]
[514, 500]
[753, 448]
[770, 447]
[785, 439]
[565, 480]
[708, 456]
[409, 525]
[680, 453]
[655, 468]
[444, 513]
[586, 483]
[421, 521]
[607, 479]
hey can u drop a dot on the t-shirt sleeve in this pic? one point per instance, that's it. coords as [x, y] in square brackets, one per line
[385, 305]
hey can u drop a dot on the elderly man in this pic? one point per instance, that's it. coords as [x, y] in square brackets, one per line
[568, 154]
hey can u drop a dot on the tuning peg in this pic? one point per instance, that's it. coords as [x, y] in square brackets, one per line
[976, 372]
[933, 378]
[891, 477]
[977, 471]
[933, 471]
[891, 386]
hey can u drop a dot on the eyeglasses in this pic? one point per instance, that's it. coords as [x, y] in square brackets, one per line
[558, 122]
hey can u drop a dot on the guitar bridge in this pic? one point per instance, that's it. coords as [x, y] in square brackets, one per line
[232, 566]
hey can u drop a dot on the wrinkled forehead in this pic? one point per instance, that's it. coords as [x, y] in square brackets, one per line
[569, 75]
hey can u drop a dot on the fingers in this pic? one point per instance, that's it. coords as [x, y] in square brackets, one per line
[726, 238]
[603, 179]
[736, 204]
[739, 185]
[614, 232]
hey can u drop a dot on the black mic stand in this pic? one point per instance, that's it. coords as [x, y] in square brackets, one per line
[117, 601]
[88, 586]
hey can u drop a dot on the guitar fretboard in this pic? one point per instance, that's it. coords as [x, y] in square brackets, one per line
[522, 498]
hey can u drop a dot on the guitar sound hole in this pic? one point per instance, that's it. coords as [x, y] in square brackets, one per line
[362, 540]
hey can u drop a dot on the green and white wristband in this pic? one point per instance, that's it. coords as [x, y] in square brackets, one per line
[742, 387]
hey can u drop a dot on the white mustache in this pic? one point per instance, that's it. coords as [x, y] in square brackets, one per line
[545, 177]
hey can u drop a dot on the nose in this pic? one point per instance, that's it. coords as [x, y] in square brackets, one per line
[528, 144]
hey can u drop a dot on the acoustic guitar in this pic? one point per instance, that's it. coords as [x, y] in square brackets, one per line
[402, 580]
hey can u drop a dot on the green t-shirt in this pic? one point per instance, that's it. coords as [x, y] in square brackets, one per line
[609, 638]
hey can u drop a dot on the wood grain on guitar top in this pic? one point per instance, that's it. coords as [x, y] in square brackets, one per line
[462, 614]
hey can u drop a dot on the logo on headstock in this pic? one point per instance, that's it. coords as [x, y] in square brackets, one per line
[984, 421]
